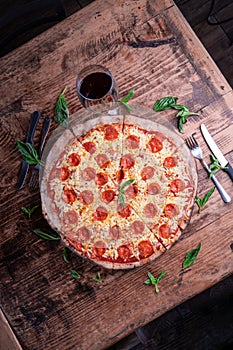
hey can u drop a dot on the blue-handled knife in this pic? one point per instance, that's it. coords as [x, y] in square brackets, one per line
[30, 135]
[216, 151]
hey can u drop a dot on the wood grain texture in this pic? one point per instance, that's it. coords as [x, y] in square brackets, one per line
[148, 46]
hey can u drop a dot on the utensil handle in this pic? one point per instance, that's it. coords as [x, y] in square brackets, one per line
[225, 197]
[44, 133]
[229, 170]
[32, 126]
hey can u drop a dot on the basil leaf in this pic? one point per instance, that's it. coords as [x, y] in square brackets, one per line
[127, 97]
[28, 211]
[165, 103]
[201, 202]
[28, 153]
[65, 255]
[75, 274]
[126, 183]
[46, 234]
[163, 273]
[121, 199]
[62, 111]
[155, 281]
[191, 256]
[98, 279]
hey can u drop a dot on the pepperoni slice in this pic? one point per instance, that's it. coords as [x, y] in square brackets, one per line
[78, 246]
[150, 210]
[127, 161]
[70, 217]
[131, 191]
[147, 172]
[84, 234]
[115, 232]
[102, 160]
[69, 195]
[99, 249]
[137, 227]
[170, 162]
[165, 231]
[120, 175]
[124, 211]
[74, 159]
[64, 173]
[100, 214]
[89, 174]
[171, 210]
[86, 197]
[110, 133]
[124, 252]
[145, 249]
[132, 141]
[90, 147]
[101, 179]
[154, 188]
[108, 196]
[155, 145]
[177, 185]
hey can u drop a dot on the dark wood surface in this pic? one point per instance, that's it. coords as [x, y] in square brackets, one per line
[44, 305]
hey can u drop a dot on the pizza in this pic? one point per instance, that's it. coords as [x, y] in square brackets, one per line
[119, 190]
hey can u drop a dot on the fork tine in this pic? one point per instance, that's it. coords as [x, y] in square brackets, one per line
[191, 141]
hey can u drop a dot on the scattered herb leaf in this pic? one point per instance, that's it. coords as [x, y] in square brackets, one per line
[46, 234]
[65, 255]
[191, 256]
[122, 191]
[215, 166]
[155, 280]
[28, 153]
[98, 279]
[201, 202]
[29, 211]
[170, 102]
[61, 109]
[126, 99]
[75, 274]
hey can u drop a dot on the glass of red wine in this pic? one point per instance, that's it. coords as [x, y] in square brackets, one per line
[96, 87]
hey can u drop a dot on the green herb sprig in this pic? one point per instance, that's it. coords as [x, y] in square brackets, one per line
[46, 234]
[191, 257]
[61, 109]
[66, 255]
[29, 211]
[215, 166]
[121, 196]
[155, 280]
[171, 102]
[126, 99]
[97, 279]
[75, 274]
[29, 153]
[201, 202]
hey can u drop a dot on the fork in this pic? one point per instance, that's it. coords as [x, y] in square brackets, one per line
[197, 153]
[34, 180]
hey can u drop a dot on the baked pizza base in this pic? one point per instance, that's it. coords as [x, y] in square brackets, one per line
[119, 188]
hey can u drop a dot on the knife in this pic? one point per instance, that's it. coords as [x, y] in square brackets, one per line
[216, 151]
[31, 131]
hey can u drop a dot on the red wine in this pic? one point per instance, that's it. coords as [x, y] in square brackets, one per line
[96, 85]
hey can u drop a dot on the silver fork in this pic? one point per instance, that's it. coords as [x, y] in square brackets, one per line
[197, 153]
[34, 180]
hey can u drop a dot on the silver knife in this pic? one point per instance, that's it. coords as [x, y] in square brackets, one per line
[31, 131]
[216, 151]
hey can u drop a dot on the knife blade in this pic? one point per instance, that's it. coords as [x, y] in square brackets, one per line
[216, 151]
[29, 138]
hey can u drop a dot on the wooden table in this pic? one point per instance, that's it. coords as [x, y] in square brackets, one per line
[148, 46]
